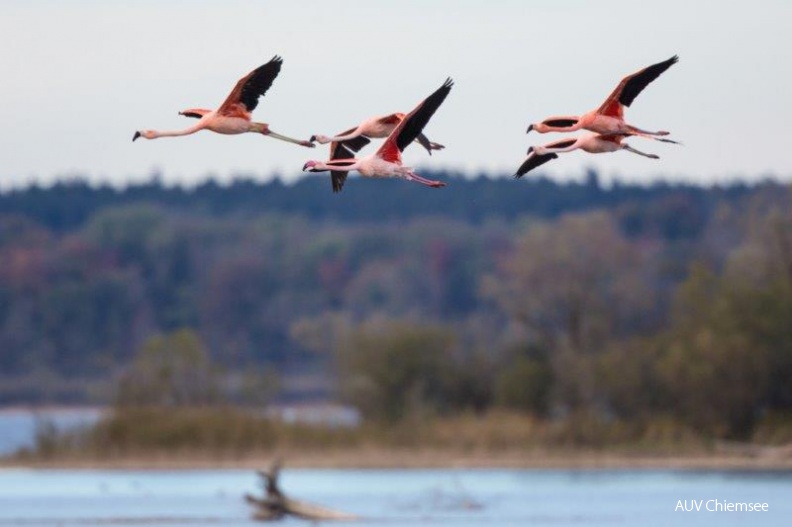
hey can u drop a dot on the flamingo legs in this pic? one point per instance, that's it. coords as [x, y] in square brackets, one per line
[272, 134]
[649, 136]
[412, 176]
[646, 132]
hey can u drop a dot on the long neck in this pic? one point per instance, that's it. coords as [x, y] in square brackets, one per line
[177, 133]
[264, 128]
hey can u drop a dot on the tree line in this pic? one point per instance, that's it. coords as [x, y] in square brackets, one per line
[628, 303]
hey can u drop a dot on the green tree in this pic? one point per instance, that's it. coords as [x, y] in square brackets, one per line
[729, 351]
[171, 370]
[716, 376]
[525, 386]
[390, 370]
[574, 286]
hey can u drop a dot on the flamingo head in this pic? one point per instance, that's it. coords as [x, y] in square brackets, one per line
[147, 134]
[542, 128]
[314, 166]
[321, 139]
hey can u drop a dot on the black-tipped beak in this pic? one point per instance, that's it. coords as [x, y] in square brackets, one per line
[530, 150]
[313, 138]
[137, 134]
[530, 127]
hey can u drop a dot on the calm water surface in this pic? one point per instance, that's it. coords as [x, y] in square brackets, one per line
[394, 497]
[18, 425]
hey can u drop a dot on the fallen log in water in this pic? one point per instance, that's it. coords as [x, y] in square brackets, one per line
[275, 505]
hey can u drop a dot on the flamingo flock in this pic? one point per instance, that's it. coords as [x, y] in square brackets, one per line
[607, 126]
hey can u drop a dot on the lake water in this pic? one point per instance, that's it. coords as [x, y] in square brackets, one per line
[18, 425]
[395, 498]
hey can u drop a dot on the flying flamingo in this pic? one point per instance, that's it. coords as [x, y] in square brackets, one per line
[609, 118]
[374, 128]
[591, 143]
[386, 162]
[233, 116]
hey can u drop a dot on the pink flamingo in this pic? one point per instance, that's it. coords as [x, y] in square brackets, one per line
[373, 128]
[386, 162]
[591, 143]
[609, 118]
[233, 116]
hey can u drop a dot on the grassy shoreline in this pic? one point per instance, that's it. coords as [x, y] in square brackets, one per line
[156, 438]
[429, 458]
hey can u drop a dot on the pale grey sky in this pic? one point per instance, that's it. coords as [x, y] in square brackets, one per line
[79, 77]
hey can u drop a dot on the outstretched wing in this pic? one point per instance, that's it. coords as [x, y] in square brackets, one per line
[532, 162]
[354, 144]
[249, 88]
[632, 85]
[413, 124]
[344, 150]
[338, 177]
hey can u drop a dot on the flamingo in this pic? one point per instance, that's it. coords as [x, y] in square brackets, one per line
[233, 116]
[609, 118]
[374, 128]
[386, 162]
[591, 143]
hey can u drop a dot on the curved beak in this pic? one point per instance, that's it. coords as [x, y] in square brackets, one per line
[137, 134]
[530, 150]
[530, 127]
[313, 138]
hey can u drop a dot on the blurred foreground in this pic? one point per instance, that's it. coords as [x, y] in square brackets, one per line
[395, 497]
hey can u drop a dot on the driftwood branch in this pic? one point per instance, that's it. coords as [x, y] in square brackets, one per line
[275, 505]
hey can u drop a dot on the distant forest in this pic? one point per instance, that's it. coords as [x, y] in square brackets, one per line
[552, 281]
[68, 205]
